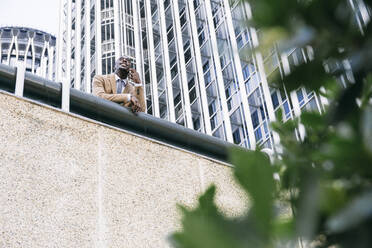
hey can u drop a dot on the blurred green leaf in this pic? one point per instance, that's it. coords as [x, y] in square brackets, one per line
[255, 174]
[333, 198]
[204, 226]
[367, 128]
[303, 75]
[307, 219]
[313, 120]
[283, 228]
[359, 210]
[346, 103]
[271, 12]
[367, 91]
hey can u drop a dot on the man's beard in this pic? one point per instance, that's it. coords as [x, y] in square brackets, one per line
[123, 72]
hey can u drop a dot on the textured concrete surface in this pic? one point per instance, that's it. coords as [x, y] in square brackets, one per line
[68, 182]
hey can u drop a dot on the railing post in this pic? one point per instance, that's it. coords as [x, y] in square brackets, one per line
[20, 79]
[65, 95]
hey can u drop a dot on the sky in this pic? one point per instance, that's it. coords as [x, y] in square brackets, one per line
[37, 14]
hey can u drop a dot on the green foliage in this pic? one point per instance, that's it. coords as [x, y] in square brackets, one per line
[324, 195]
[207, 227]
[306, 71]
[257, 180]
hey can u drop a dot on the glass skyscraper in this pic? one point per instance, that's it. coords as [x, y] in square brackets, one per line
[192, 57]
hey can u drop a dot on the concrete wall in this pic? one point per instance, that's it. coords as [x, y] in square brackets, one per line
[69, 182]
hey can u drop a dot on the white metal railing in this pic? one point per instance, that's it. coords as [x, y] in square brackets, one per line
[20, 82]
[20, 79]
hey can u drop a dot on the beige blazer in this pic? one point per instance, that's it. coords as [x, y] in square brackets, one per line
[104, 86]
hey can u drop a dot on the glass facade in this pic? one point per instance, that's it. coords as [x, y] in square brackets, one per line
[34, 48]
[192, 58]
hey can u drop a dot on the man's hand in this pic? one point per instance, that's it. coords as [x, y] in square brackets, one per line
[134, 76]
[136, 107]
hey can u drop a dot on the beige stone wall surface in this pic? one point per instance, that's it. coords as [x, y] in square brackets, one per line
[69, 182]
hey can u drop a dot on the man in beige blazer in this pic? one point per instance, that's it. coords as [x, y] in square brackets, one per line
[117, 88]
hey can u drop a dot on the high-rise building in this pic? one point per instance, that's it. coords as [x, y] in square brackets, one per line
[192, 57]
[35, 48]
